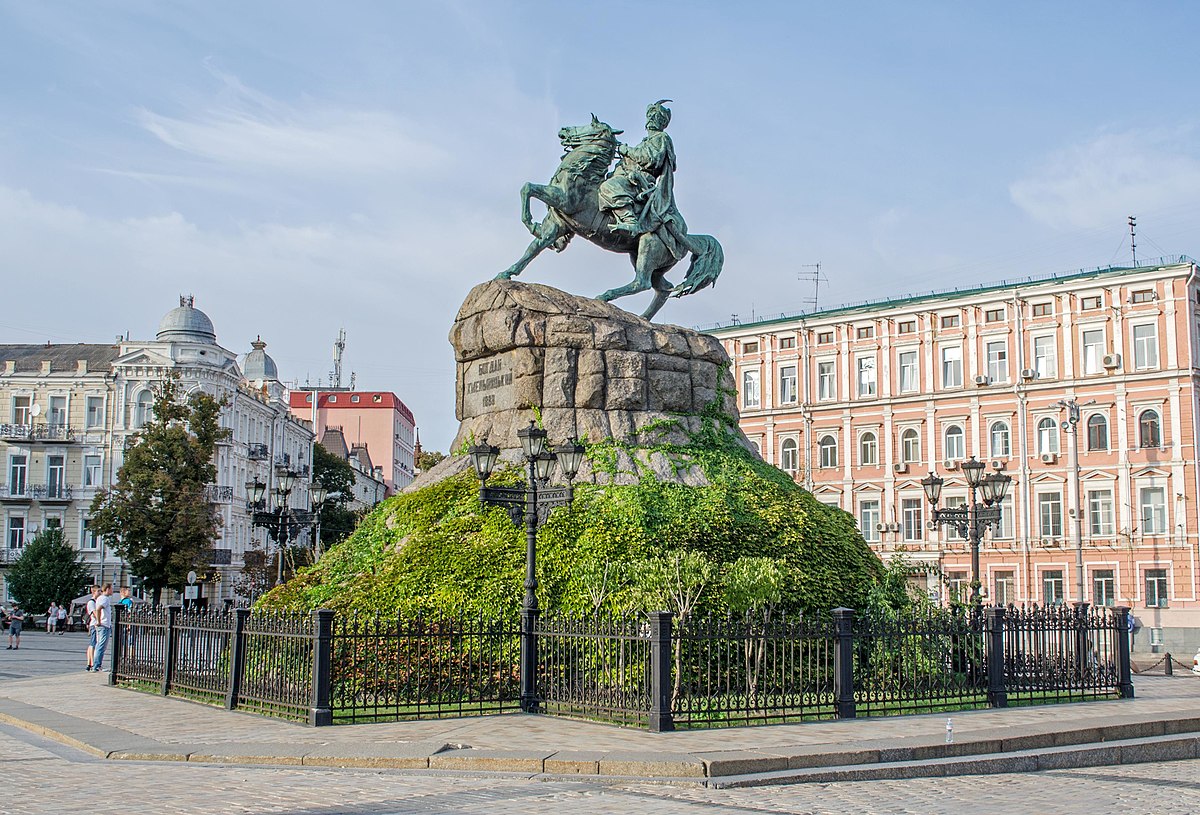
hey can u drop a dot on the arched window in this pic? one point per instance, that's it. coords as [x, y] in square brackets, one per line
[1149, 431]
[868, 450]
[956, 444]
[757, 449]
[1097, 432]
[1047, 436]
[827, 448]
[787, 456]
[143, 409]
[910, 446]
[999, 437]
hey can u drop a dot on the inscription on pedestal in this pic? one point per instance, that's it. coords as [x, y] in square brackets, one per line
[488, 385]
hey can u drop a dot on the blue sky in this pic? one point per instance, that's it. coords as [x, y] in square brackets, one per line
[301, 166]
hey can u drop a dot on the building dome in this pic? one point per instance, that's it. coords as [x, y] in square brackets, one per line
[186, 323]
[259, 364]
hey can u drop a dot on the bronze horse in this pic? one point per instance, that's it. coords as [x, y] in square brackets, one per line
[572, 201]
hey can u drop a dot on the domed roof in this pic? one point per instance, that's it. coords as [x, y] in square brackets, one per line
[186, 323]
[259, 364]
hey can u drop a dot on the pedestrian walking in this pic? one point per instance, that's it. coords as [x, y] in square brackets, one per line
[62, 620]
[16, 619]
[52, 617]
[90, 620]
[103, 625]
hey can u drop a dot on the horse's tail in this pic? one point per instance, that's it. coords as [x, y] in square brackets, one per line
[707, 259]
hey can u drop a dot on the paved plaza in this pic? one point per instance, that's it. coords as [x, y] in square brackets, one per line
[42, 775]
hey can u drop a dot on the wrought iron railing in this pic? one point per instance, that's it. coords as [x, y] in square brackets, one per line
[15, 491]
[257, 452]
[38, 432]
[54, 491]
[214, 494]
[595, 668]
[1061, 653]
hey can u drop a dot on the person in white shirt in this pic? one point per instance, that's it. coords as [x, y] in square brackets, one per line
[103, 625]
[91, 626]
[52, 617]
[62, 620]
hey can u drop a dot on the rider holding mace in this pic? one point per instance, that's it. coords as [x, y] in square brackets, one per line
[640, 193]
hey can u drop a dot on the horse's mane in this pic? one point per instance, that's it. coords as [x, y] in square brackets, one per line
[588, 163]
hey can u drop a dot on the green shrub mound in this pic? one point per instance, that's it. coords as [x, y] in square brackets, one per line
[750, 539]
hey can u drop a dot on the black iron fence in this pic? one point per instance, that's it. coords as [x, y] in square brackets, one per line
[643, 670]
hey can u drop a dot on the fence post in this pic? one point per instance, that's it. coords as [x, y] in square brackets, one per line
[117, 636]
[1124, 670]
[993, 626]
[1083, 649]
[529, 659]
[662, 719]
[320, 711]
[171, 647]
[843, 663]
[237, 657]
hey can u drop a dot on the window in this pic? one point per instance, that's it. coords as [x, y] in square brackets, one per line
[18, 474]
[1047, 436]
[56, 413]
[950, 321]
[827, 448]
[1152, 503]
[993, 315]
[1104, 588]
[952, 366]
[308, 398]
[16, 532]
[997, 361]
[56, 476]
[912, 513]
[787, 384]
[864, 332]
[910, 381]
[1090, 303]
[910, 326]
[910, 446]
[1142, 296]
[1005, 585]
[1100, 513]
[953, 502]
[958, 588]
[826, 381]
[377, 398]
[95, 411]
[750, 393]
[87, 537]
[999, 440]
[1052, 587]
[143, 409]
[757, 449]
[866, 376]
[1093, 351]
[750, 348]
[956, 445]
[1045, 357]
[1145, 346]
[354, 398]
[91, 471]
[786, 342]
[824, 337]
[1097, 432]
[333, 397]
[21, 409]
[868, 519]
[1043, 309]
[1156, 588]
[868, 450]
[1148, 430]
[788, 457]
[1050, 513]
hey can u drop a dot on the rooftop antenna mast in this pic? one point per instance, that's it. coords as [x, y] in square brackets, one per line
[339, 347]
[1133, 237]
[812, 272]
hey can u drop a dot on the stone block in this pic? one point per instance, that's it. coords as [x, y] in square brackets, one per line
[498, 329]
[592, 425]
[574, 762]
[707, 348]
[589, 391]
[625, 394]
[652, 764]
[625, 364]
[608, 334]
[670, 342]
[466, 338]
[639, 338]
[558, 390]
[1160, 749]
[559, 424]
[527, 361]
[702, 397]
[704, 374]
[666, 362]
[527, 392]
[670, 391]
[557, 360]
[741, 762]
[567, 330]
[591, 362]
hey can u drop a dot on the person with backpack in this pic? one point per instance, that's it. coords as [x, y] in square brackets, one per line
[90, 619]
[16, 619]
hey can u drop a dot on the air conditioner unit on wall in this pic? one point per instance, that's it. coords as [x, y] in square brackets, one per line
[950, 464]
[1111, 361]
[998, 464]
[895, 527]
[900, 468]
[982, 380]
[881, 527]
[1049, 458]
[1029, 373]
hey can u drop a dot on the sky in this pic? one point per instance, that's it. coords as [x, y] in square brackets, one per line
[302, 167]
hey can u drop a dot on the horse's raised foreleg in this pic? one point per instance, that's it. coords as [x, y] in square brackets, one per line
[546, 233]
[549, 195]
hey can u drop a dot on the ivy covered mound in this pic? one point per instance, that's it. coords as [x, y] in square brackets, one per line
[750, 537]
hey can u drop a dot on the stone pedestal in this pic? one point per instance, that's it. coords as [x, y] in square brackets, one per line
[590, 370]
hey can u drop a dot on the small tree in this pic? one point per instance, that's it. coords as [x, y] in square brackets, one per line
[428, 459]
[47, 571]
[337, 477]
[157, 516]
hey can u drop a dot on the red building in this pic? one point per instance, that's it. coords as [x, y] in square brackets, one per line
[376, 420]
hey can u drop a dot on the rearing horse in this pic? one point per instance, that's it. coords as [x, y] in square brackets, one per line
[572, 200]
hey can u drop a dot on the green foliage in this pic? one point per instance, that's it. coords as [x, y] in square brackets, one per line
[157, 516]
[48, 570]
[428, 459]
[337, 477]
[753, 584]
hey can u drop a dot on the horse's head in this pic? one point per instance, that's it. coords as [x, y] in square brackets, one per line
[594, 132]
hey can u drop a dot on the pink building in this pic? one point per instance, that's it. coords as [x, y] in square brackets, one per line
[377, 420]
[861, 402]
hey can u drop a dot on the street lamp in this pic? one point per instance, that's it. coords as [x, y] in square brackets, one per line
[281, 522]
[531, 503]
[973, 519]
[318, 495]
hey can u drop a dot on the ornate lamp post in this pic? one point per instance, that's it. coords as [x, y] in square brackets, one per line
[281, 522]
[973, 519]
[532, 503]
[318, 495]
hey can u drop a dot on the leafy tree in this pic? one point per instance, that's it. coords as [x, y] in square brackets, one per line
[157, 516]
[337, 477]
[47, 571]
[428, 459]
[753, 584]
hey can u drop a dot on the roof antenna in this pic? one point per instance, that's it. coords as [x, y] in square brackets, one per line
[812, 271]
[1133, 237]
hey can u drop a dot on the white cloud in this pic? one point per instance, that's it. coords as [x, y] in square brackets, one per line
[1099, 182]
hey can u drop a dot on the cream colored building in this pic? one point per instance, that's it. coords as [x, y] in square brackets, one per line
[861, 402]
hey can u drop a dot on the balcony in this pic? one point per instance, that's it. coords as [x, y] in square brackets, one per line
[257, 452]
[9, 556]
[220, 557]
[38, 433]
[52, 493]
[218, 495]
[15, 493]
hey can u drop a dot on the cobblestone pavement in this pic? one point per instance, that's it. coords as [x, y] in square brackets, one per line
[42, 777]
